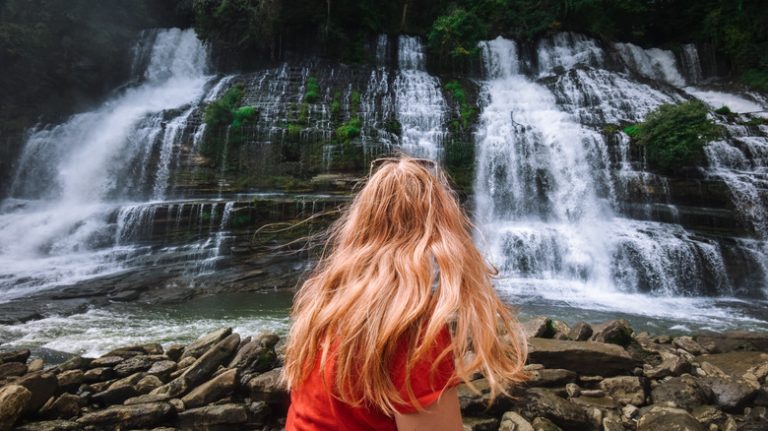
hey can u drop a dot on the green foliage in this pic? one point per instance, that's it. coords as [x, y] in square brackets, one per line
[243, 115]
[312, 91]
[393, 126]
[354, 101]
[633, 131]
[456, 34]
[674, 135]
[349, 130]
[756, 78]
[222, 111]
[336, 105]
[723, 110]
[467, 111]
[293, 131]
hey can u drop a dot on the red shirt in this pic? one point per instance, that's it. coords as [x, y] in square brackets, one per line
[314, 409]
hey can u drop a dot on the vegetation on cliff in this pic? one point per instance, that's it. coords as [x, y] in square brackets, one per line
[674, 136]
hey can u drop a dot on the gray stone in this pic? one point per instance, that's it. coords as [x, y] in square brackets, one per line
[561, 330]
[99, 374]
[35, 365]
[148, 384]
[203, 417]
[13, 400]
[625, 390]
[573, 390]
[204, 343]
[133, 365]
[115, 395]
[613, 332]
[580, 332]
[671, 365]
[175, 351]
[74, 363]
[709, 415]
[255, 356]
[137, 415]
[512, 421]
[106, 361]
[146, 398]
[546, 404]
[212, 390]
[736, 340]
[669, 419]
[581, 357]
[683, 392]
[267, 387]
[730, 394]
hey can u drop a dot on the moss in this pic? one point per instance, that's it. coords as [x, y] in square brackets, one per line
[393, 126]
[293, 131]
[304, 114]
[354, 101]
[243, 115]
[311, 91]
[221, 112]
[349, 130]
[336, 105]
[632, 130]
[240, 220]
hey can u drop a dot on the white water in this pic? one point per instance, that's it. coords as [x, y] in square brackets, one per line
[421, 108]
[73, 176]
[547, 200]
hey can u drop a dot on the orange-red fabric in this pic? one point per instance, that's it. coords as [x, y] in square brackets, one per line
[314, 409]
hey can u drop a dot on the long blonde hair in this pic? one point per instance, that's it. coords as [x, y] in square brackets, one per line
[374, 285]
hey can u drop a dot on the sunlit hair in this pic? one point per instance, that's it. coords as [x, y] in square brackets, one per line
[374, 285]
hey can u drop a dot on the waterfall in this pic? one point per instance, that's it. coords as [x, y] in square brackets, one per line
[550, 196]
[57, 226]
[421, 107]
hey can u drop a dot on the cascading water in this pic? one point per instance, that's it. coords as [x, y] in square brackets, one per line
[57, 227]
[421, 107]
[552, 191]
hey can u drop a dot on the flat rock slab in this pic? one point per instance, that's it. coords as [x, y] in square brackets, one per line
[668, 419]
[735, 363]
[583, 357]
[138, 415]
[736, 340]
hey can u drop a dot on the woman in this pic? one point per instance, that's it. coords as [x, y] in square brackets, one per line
[399, 310]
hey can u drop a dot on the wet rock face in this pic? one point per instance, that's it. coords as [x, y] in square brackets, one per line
[232, 383]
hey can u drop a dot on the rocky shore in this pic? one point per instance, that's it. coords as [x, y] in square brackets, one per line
[582, 378]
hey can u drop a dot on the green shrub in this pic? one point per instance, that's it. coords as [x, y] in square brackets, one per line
[336, 105]
[312, 91]
[456, 34]
[674, 135]
[243, 115]
[354, 101]
[221, 112]
[723, 110]
[466, 110]
[632, 130]
[293, 131]
[349, 130]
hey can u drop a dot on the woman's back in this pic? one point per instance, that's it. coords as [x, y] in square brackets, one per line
[371, 318]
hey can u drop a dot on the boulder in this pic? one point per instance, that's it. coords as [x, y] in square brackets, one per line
[204, 343]
[13, 401]
[625, 390]
[202, 418]
[107, 361]
[148, 384]
[670, 419]
[212, 390]
[133, 365]
[42, 386]
[683, 392]
[735, 364]
[478, 402]
[544, 424]
[551, 377]
[54, 425]
[546, 404]
[12, 369]
[613, 332]
[736, 340]
[162, 369]
[201, 369]
[175, 351]
[74, 363]
[98, 374]
[580, 332]
[66, 406]
[561, 330]
[114, 395]
[671, 365]
[137, 415]
[20, 356]
[267, 387]
[254, 357]
[709, 415]
[512, 421]
[35, 365]
[147, 398]
[730, 394]
[540, 326]
[581, 357]
[688, 344]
